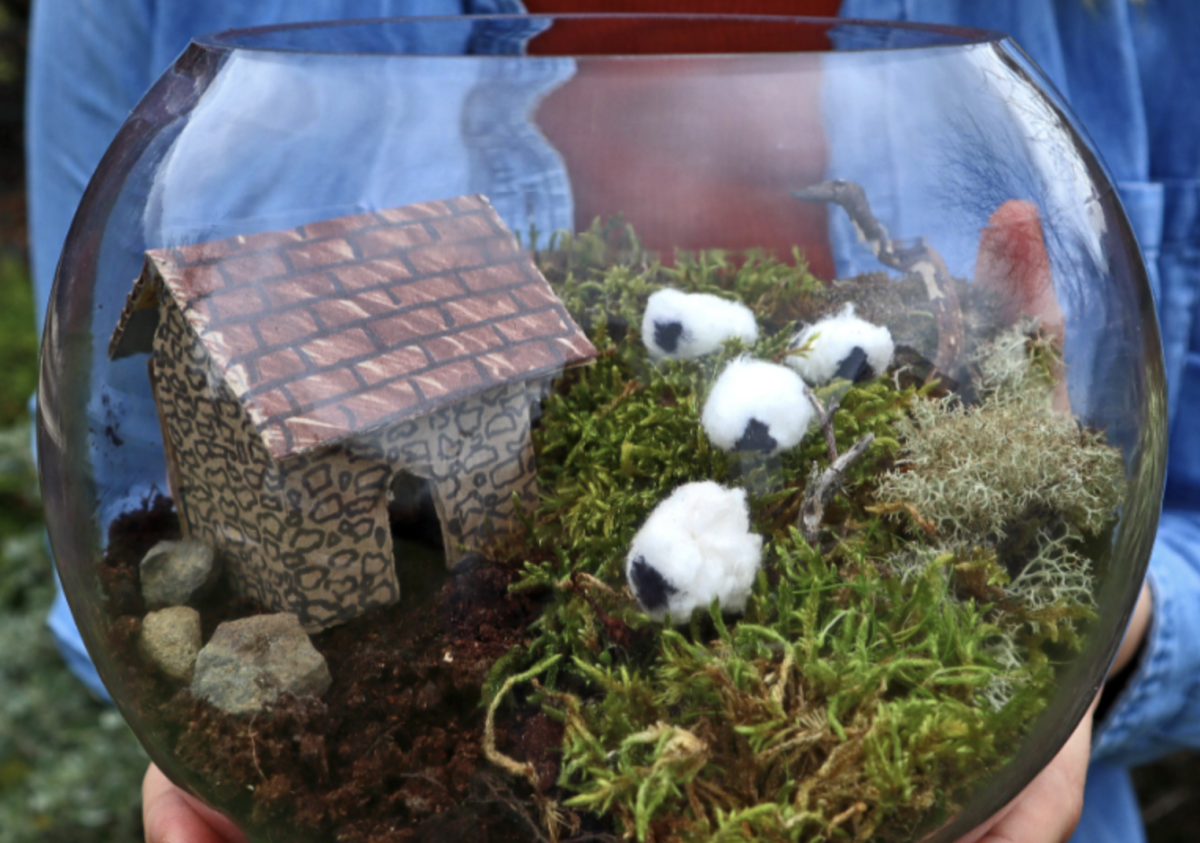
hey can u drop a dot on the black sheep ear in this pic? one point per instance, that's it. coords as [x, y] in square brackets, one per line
[649, 586]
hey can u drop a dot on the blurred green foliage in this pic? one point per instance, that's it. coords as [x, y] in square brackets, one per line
[69, 767]
[18, 341]
[70, 770]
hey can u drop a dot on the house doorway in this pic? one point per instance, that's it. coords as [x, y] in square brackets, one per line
[417, 546]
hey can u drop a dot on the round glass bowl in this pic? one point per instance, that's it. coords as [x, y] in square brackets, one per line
[608, 425]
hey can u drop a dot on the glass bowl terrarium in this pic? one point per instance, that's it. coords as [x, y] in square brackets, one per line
[602, 427]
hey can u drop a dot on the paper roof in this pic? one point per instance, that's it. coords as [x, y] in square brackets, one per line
[339, 326]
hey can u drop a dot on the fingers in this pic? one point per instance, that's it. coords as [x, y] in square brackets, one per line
[1048, 810]
[172, 816]
[1138, 624]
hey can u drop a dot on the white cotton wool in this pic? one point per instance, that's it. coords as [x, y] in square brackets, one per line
[683, 326]
[845, 347]
[695, 546]
[757, 406]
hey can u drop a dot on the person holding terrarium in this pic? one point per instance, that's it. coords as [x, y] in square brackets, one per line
[776, 218]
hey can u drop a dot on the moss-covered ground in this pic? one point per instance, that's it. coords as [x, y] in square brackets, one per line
[69, 769]
[881, 671]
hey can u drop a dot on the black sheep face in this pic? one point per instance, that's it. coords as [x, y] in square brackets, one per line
[756, 437]
[667, 336]
[855, 367]
[649, 586]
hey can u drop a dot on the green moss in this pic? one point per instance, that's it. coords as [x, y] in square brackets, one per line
[604, 277]
[873, 680]
[829, 694]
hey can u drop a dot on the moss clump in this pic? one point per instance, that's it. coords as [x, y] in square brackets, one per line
[835, 704]
[604, 277]
[878, 675]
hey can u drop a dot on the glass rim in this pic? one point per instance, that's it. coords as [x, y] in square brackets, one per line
[266, 39]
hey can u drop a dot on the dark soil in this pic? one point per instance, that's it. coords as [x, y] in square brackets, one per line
[393, 751]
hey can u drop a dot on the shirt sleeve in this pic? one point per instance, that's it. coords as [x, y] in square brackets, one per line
[1159, 711]
[88, 66]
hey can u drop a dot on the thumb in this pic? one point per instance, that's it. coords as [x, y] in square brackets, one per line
[172, 816]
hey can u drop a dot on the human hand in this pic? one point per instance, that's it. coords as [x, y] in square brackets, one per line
[172, 816]
[1048, 809]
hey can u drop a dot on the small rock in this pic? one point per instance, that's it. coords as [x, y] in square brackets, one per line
[249, 663]
[173, 573]
[170, 640]
[429, 697]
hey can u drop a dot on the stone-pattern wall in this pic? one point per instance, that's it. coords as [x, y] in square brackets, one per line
[477, 453]
[309, 534]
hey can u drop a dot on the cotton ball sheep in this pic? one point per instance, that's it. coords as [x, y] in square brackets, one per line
[683, 326]
[847, 347]
[756, 406]
[695, 546]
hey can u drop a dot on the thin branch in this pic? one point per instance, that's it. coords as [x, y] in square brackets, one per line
[821, 488]
[501, 793]
[919, 258]
[825, 419]
[818, 493]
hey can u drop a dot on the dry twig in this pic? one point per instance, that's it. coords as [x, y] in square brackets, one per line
[821, 487]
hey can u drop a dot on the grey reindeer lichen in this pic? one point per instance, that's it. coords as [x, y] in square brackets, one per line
[972, 471]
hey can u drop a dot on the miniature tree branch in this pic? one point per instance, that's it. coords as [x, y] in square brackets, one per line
[821, 488]
[825, 419]
[500, 793]
[817, 495]
[919, 258]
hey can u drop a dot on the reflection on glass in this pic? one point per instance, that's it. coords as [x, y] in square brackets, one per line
[732, 426]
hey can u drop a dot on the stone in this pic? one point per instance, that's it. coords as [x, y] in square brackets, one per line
[174, 573]
[249, 663]
[170, 640]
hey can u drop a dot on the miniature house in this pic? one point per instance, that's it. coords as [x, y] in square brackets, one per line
[297, 372]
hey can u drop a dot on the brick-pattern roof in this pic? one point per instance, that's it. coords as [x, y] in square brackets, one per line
[343, 325]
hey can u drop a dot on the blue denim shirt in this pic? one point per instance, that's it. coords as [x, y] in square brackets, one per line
[1129, 72]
